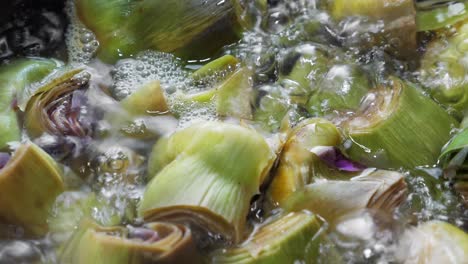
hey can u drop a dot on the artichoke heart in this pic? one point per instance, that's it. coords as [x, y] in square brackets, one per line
[30, 182]
[55, 108]
[200, 171]
[397, 126]
[123, 28]
[443, 68]
[294, 237]
[433, 242]
[399, 18]
[15, 79]
[155, 242]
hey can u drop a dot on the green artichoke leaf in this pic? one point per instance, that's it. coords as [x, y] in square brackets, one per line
[226, 163]
[30, 182]
[154, 242]
[123, 28]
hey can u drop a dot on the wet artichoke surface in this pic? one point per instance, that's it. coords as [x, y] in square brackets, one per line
[234, 131]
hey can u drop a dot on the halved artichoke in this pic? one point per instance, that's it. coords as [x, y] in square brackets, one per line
[155, 242]
[30, 182]
[15, 79]
[197, 173]
[312, 174]
[55, 108]
[123, 28]
[433, 242]
[387, 132]
[294, 237]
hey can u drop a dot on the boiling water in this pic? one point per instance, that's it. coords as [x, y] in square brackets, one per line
[117, 169]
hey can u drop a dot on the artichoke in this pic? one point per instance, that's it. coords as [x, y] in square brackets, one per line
[438, 14]
[154, 242]
[387, 130]
[294, 237]
[374, 189]
[55, 108]
[123, 28]
[147, 100]
[443, 69]
[398, 17]
[222, 66]
[312, 174]
[16, 78]
[197, 173]
[433, 242]
[30, 181]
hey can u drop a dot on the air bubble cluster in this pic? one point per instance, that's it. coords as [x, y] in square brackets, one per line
[81, 42]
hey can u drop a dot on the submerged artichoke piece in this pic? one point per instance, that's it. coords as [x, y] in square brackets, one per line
[55, 108]
[297, 161]
[221, 66]
[15, 78]
[443, 69]
[147, 100]
[433, 242]
[312, 174]
[433, 15]
[397, 126]
[398, 17]
[123, 28]
[198, 173]
[375, 189]
[235, 95]
[292, 238]
[153, 243]
[30, 182]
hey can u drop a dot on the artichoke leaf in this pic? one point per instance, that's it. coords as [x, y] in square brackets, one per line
[30, 182]
[198, 170]
[154, 242]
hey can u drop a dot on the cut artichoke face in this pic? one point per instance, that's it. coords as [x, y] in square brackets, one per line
[394, 23]
[433, 242]
[55, 108]
[155, 242]
[197, 173]
[123, 28]
[16, 79]
[386, 131]
[290, 238]
[30, 182]
[331, 199]
[443, 69]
